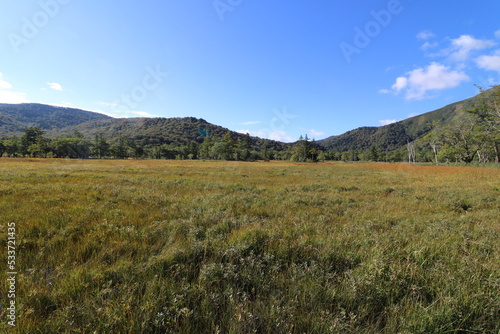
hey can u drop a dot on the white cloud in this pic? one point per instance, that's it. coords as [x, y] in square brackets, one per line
[464, 45]
[7, 96]
[387, 121]
[400, 84]
[428, 45]
[4, 84]
[425, 35]
[143, 114]
[12, 97]
[127, 114]
[62, 105]
[281, 136]
[117, 113]
[490, 63]
[109, 104]
[418, 82]
[273, 135]
[315, 133]
[55, 86]
[251, 123]
[493, 81]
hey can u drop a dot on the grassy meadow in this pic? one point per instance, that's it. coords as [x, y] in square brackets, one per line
[132, 246]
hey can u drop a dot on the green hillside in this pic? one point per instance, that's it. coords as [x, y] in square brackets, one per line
[155, 131]
[66, 122]
[14, 118]
[396, 135]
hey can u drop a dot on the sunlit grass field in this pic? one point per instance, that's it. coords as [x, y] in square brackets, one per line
[108, 246]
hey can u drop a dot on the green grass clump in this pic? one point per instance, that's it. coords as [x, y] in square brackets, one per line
[204, 247]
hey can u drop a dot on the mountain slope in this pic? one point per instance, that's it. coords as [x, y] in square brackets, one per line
[153, 131]
[16, 117]
[64, 122]
[57, 122]
[396, 135]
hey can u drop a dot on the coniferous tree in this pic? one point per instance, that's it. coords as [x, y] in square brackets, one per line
[205, 148]
[119, 150]
[229, 147]
[32, 137]
[313, 151]
[373, 153]
[243, 148]
[100, 146]
[265, 150]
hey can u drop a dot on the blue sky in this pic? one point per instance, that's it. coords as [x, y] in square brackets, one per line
[277, 69]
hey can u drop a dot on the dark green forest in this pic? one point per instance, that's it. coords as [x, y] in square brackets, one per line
[463, 132]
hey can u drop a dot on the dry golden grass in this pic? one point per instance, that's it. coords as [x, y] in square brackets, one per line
[150, 246]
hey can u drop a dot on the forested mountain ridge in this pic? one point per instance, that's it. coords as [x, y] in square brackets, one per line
[47, 131]
[155, 131]
[464, 131]
[65, 122]
[397, 135]
[14, 118]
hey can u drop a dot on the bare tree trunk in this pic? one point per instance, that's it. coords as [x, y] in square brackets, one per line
[411, 152]
[434, 149]
[497, 152]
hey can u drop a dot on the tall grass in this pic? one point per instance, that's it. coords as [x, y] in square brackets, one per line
[204, 247]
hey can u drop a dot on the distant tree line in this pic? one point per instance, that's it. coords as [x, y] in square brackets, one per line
[474, 137]
[466, 141]
[34, 144]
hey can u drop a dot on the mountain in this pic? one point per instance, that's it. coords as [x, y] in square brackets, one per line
[16, 117]
[396, 135]
[65, 122]
[153, 131]
[60, 122]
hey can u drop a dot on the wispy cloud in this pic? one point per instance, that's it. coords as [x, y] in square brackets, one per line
[127, 114]
[273, 135]
[428, 45]
[4, 84]
[462, 47]
[316, 133]
[387, 121]
[116, 110]
[281, 136]
[251, 123]
[425, 35]
[413, 114]
[8, 96]
[55, 86]
[109, 104]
